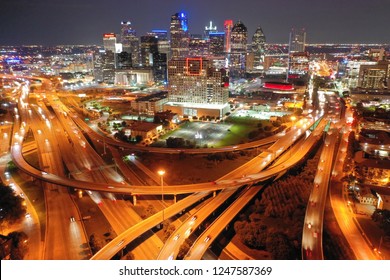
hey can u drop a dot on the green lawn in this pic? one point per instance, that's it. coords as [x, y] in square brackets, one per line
[238, 134]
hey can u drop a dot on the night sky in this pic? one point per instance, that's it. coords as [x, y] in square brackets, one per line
[52, 22]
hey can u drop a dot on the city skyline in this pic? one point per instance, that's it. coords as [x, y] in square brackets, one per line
[355, 21]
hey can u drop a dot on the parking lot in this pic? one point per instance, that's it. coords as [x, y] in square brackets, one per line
[201, 132]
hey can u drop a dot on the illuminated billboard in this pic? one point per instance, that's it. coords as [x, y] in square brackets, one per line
[109, 35]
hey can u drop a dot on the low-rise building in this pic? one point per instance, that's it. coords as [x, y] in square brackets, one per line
[365, 196]
[150, 104]
[148, 131]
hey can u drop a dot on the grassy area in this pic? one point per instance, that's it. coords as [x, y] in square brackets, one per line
[238, 134]
[233, 131]
[189, 169]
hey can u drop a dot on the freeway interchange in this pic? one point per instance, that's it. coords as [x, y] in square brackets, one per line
[59, 136]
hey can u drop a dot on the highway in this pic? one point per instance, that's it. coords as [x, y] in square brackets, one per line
[342, 210]
[108, 251]
[248, 180]
[119, 213]
[220, 223]
[63, 239]
[89, 174]
[313, 223]
[95, 134]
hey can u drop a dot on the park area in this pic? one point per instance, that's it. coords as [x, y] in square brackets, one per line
[210, 134]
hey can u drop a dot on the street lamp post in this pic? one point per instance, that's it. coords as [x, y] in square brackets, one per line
[161, 173]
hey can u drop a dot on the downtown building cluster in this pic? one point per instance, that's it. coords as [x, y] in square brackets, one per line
[196, 67]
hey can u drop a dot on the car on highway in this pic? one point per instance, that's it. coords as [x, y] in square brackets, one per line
[207, 239]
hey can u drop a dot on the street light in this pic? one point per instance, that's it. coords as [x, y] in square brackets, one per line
[161, 173]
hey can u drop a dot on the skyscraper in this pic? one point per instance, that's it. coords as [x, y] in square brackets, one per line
[109, 42]
[196, 88]
[217, 40]
[198, 46]
[209, 29]
[162, 41]
[298, 59]
[258, 47]
[179, 35]
[297, 40]
[130, 42]
[238, 50]
[228, 25]
[149, 46]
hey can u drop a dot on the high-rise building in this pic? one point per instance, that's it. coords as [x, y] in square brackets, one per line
[374, 76]
[297, 40]
[258, 47]
[109, 42]
[108, 67]
[160, 34]
[149, 46]
[198, 46]
[217, 40]
[98, 65]
[159, 67]
[196, 88]
[228, 26]
[130, 42]
[298, 59]
[162, 41]
[209, 29]
[238, 50]
[123, 60]
[298, 65]
[179, 35]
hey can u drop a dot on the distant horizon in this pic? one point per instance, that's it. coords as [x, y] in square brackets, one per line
[74, 22]
[101, 45]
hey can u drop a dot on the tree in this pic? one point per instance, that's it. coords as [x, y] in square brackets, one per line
[19, 245]
[96, 243]
[280, 247]
[128, 256]
[253, 134]
[12, 209]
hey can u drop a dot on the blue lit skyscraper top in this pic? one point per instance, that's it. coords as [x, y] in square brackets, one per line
[179, 35]
[184, 21]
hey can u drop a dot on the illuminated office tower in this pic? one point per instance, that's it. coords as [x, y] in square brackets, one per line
[198, 46]
[179, 35]
[375, 76]
[109, 42]
[160, 34]
[130, 42]
[162, 40]
[196, 88]
[238, 50]
[228, 26]
[108, 58]
[216, 45]
[258, 47]
[297, 40]
[298, 59]
[209, 29]
[149, 46]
